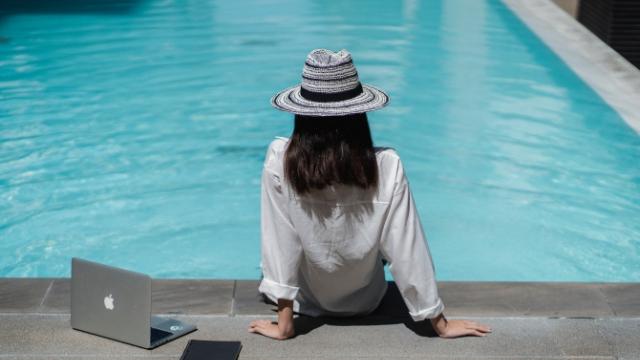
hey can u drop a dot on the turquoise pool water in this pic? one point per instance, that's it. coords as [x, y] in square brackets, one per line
[133, 132]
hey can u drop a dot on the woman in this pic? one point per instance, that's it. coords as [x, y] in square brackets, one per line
[334, 208]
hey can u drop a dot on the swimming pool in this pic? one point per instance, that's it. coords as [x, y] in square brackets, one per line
[133, 132]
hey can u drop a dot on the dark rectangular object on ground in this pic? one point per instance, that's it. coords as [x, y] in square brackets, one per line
[211, 350]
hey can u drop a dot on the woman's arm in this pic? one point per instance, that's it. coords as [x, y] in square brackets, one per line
[285, 318]
[405, 247]
[281, 249]
[282, 329]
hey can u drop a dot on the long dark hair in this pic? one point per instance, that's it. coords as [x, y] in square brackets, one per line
[330, 150]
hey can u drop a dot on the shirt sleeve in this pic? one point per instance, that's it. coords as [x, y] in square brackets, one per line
[405, 247]
[281, 246]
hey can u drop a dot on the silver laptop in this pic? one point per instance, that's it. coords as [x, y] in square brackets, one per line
[116, 304]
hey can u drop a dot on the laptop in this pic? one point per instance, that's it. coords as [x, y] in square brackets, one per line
[116, 304]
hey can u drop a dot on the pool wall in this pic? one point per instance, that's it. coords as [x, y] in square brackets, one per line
[240, 297]
[610, 75]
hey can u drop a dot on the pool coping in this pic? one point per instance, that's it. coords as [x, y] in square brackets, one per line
[609, 74]
[461, 298]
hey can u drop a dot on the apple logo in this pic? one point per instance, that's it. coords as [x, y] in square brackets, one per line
[108, 302]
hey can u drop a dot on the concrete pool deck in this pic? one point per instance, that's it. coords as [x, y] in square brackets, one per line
[530, 320]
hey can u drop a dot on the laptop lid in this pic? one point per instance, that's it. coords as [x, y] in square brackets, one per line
[111, 302]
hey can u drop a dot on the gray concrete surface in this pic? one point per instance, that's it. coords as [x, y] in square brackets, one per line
[530, 321]
[49, 336]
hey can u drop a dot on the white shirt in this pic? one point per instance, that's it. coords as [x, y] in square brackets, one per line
[324, 250]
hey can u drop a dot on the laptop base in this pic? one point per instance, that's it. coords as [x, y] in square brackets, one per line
[164, 330]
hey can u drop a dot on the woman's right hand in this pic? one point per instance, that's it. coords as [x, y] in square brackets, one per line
[456, 328]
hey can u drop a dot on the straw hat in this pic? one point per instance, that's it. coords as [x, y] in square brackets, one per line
[330, 87]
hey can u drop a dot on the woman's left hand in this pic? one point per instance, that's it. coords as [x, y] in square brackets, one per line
[271, 329]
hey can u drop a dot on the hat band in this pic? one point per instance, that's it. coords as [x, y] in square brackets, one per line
[329, 97]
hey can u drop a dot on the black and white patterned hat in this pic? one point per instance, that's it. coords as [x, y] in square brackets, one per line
[330, 87]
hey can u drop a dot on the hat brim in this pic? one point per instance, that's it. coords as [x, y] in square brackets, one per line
[291, 101]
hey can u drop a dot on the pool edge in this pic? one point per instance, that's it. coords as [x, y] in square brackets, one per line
[461, 298]
[609, 74]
